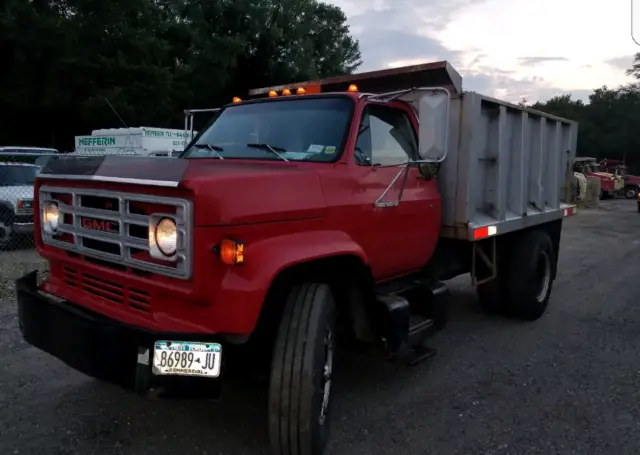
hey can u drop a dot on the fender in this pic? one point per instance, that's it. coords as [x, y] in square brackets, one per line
[243, 290]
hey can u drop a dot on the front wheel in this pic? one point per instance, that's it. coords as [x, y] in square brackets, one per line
[301, 372]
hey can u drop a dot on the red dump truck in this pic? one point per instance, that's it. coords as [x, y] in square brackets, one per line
[610, 185]
[618, 168]
[311, 213]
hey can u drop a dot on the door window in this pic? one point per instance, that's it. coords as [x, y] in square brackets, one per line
[385, 137]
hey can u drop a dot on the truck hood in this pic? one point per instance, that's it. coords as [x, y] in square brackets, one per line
[602, 174]
[246, 193]
[226, 192]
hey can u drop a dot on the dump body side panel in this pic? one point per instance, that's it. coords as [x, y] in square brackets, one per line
[511, 169]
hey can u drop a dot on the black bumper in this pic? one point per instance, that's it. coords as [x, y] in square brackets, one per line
[98, 346]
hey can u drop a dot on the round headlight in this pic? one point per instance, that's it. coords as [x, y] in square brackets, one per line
[166, 234]
[50, 216]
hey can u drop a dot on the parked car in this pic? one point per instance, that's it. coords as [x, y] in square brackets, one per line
[16, 200]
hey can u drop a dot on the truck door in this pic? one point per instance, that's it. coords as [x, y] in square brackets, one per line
[399, 238]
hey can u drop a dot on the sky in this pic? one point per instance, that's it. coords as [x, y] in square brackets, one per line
[508, 49]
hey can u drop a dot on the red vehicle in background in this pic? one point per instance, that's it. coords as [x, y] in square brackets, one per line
[610, 185]
[631, 187]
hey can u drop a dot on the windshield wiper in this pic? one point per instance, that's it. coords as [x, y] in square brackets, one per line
[214, 148]
[271, 148]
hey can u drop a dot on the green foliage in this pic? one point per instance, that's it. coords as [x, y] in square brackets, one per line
[153, 58]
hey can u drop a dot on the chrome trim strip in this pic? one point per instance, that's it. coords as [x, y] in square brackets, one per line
[180, 268]
[97, 178]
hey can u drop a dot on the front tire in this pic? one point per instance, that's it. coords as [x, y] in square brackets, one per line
[301, 370]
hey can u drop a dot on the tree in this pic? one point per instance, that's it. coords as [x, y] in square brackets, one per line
[153, 58]
[635, 68]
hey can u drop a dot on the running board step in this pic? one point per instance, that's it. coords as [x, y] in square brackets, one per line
[419, 326]
[401, 328]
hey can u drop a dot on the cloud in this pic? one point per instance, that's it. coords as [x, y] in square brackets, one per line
[514, 89]
[401, 30]
[621, 63]
[537, 60]
[396, 33]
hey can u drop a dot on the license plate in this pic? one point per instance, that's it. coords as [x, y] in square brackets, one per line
[187, 358]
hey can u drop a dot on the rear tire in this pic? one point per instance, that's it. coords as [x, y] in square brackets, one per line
[631, 192]
[300, 384]
[531, 274]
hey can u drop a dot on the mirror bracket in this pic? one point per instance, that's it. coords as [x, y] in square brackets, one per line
[404, 173]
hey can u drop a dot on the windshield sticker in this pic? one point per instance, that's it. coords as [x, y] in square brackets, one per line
[295, 155]
[329, 150]
[315, 148]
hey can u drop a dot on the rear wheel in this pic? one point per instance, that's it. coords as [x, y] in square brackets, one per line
[301, 372]
[531, 275]
[631, 192]
[522, 287]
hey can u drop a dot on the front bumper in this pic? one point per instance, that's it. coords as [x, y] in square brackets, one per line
[98, 346]
[22, 224]
[22, 228]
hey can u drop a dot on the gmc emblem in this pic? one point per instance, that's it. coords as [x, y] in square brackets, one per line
[100, 225]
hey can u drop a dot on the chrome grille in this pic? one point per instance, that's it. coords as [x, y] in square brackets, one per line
[110, 226]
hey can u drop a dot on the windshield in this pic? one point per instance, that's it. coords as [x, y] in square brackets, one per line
[17, 175]
[299, 129]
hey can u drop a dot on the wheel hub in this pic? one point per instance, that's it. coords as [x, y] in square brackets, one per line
[326, 375]
[543, 275]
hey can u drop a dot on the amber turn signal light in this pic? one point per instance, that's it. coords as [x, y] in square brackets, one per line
[230, 252]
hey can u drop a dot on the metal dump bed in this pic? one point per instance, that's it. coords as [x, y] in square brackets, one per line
[507, 166]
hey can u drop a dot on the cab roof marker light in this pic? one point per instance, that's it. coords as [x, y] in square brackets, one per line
[300, 91]
[272, 93]
[352, 88]
[484, 232]
[286, 92]
[236, 99]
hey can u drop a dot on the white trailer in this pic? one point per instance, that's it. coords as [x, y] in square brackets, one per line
[143, 140]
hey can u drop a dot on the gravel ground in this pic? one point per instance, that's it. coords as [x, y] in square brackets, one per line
[566, 384]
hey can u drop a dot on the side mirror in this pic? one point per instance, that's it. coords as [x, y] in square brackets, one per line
[433, 112]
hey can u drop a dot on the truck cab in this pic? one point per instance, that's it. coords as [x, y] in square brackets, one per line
[307, 214]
